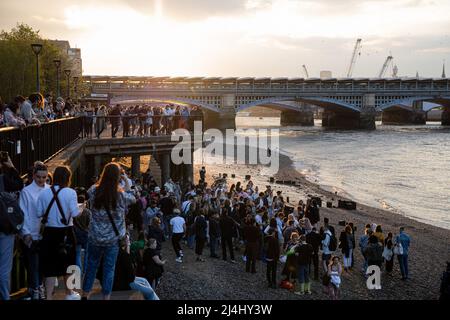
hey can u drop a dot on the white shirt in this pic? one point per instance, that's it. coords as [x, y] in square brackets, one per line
[28, 203]
[177, 224]
[68, 199]
[258, 219]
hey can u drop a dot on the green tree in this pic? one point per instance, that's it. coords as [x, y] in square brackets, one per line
[18, 63]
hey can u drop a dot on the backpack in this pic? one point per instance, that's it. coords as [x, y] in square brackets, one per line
[332, 246]
[11, 216]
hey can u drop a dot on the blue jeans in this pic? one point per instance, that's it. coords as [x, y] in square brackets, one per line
[94, 255]
[80, 258]
[190, 241]
[303, 273]
[213, 245]
[403, 263]
[142, 285]
[6, 262]
[34, 276]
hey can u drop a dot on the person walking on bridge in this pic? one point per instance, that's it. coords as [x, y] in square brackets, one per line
[115, 120]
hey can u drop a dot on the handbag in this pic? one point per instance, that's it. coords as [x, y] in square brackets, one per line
[387, 254]
[398, 249]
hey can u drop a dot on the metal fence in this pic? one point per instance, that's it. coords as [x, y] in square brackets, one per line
[32, 143]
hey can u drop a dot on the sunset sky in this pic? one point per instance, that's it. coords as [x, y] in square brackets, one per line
[243, 37]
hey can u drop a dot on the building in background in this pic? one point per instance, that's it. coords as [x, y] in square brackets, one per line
[73, 55]
[326, 74]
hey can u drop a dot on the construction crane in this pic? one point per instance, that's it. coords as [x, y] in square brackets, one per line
[385, 66]
[356, 53]
[305, 71]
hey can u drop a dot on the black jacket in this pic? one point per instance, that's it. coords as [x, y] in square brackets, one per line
[200, 227]
[252, 234]
[227, 227]
[157, 234]
[304, 252]
[273, 248]
[214, 229]
[314, 239]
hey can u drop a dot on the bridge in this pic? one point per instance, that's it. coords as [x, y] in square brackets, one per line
[347, 102]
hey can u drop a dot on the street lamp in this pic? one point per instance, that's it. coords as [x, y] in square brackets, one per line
[75, 80]
[67, 73]
[57, 63]
[37, 47]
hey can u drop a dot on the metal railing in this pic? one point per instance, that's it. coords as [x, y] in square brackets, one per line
[135, 125]
[32, 143]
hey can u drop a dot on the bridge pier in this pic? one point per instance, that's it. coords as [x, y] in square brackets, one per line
[164, 163]
[135, 165]
[445, 120]
[347, 119]
[402, 117]
[221, 121]
[299, 118]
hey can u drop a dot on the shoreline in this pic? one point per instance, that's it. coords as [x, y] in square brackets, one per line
[430, 245]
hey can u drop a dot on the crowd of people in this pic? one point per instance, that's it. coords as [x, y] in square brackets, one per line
[135, 121]
[114, 232]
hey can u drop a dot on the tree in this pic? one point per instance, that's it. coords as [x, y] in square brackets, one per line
[18, 63]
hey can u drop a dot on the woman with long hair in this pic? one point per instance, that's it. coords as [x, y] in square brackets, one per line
[107, 227]
[57, 206]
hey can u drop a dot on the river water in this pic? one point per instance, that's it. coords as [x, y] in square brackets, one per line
[405, 169]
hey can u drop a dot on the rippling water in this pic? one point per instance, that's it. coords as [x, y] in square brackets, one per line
[405, 169]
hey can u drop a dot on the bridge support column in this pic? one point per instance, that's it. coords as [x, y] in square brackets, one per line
[299, 118]
[347, 119]
[164, 163]
[224, 120]
[97, 165]
[445, 120]
[188, 173]
[135, 165]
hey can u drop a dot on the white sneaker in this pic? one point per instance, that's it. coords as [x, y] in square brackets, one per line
[179, 260]
[181, 253]
[73, 296]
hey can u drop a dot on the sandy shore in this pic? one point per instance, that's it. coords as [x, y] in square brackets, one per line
[429, 251]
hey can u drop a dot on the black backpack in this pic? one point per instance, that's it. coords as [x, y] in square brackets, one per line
[11, 216]
[332, 246]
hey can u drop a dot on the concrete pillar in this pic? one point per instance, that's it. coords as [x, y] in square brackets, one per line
[188, 173]
[445, 120]
[368, 112]
[165, 167]
[223, 120]
[97, 165]
[299, 118]
[419, 116]
[340, 119]
[135, 165]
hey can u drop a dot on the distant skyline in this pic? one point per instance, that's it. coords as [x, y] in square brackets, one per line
[243, 38]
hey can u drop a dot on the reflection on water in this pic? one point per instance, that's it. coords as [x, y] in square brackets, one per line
[405, 169]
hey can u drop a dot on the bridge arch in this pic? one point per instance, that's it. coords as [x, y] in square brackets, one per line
[406, 103]
[180, 100]
[279, 103]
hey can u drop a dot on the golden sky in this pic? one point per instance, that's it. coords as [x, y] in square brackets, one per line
[242, 38]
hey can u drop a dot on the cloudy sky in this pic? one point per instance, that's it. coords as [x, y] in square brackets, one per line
[243, 37]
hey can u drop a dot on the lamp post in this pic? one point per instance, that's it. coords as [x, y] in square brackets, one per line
[67, 73]
[37, 47]
[57, 63]
[75, 81]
